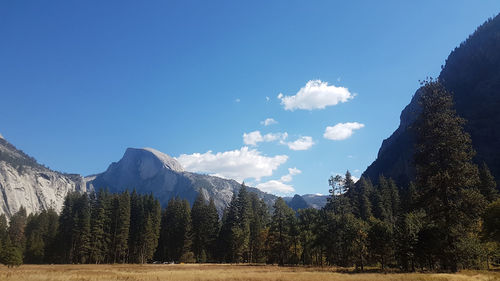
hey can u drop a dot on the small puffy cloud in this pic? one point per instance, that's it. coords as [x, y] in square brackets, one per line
[253, 138]
[239, 164]
[237, 100]
[267, 99]
[275, 186]
[302, 143]
[341, 131]
[315, 95]
[269, 121]
[291, 172]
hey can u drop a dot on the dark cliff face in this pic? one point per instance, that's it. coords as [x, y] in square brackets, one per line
[472, 74]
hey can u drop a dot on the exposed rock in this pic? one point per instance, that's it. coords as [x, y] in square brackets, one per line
[297, 203]
[315, 201]
[149, 171]
[472, 75]
[24, 182]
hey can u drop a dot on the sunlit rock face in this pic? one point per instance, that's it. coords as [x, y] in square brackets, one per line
[24, 182]
[147, 170]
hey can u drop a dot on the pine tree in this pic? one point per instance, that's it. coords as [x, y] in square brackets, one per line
[242, 230]
[16, 228]
[120, 223]
[258, 228]
[199, 220]
[175, 232]
[308, 220]
[280, 233]
[81, 229]
[3, 236]
[148, 241]
[407, 235]
[213, 226]
[226, 238]
[487, 184]
[137, 217]
[13, 255]
[338, 202]
[381, 244]
[444, 169]
[40, 230]
[99, 227]
[491, 217]
[362, 199]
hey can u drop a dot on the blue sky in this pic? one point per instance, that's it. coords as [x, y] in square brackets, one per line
[80, 81]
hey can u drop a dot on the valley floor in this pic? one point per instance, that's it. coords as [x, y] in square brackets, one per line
[217, 273]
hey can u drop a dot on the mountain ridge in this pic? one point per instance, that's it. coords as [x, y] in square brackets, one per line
[472, 74]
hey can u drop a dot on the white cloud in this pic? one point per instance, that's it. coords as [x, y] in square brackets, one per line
[275, 186]
[302, 143]
[315, 95]
[341, 131]
[354, 179]
[291, 172]
[253, 138]
[237, 100]
[269, 121]
[267, 99]
[239, 164]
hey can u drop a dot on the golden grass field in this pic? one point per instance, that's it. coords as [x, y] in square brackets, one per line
[216, 273]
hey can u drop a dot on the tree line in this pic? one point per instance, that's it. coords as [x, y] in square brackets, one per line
[447, 219]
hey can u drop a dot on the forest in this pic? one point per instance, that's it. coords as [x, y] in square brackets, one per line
[447, 219]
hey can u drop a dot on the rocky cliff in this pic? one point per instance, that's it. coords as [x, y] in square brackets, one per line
[24, 182]
[150, 171]
[472, 75]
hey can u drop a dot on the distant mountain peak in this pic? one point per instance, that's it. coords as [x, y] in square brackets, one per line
[167, 161]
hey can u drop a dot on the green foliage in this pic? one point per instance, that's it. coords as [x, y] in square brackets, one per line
[445, 173]
[175, 232]
[282, 235]
[381, 241]
[491, 217]
[12, 254]
[487, 184]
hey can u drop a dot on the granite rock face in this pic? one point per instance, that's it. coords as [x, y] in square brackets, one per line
[25, 183]
[150, 171]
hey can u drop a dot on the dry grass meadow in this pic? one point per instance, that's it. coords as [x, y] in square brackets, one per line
[216, 273]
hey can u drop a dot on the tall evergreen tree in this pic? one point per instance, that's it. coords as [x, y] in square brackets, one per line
[445, 173]
[99, 238]
[381, 243]
[487, 184]
[199, 220]
[361, 199]
[119, 230]
[212, 230]
[175, 233]
[280, 233]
